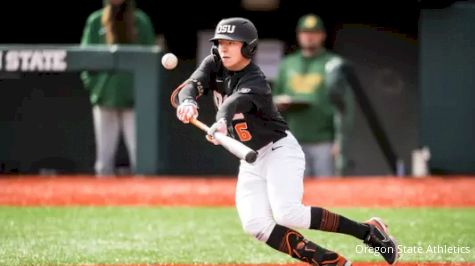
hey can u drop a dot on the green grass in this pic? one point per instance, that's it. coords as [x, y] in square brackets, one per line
[108, 235]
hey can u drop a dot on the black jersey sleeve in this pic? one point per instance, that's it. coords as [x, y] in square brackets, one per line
[236, 103]
[247, 96]
[200, 81]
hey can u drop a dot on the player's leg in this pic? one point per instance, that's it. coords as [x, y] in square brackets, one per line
[295, 245]
[256, 217]
[128, 128]
[284, 175]
[285, 190]
[285, 167]
[374, 232]
[252, 202]
[106, 129]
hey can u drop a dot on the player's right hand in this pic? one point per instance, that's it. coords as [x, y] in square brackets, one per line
[218, 126]
[187, 111]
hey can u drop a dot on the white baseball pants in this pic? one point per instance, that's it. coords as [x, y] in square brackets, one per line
[270, 190]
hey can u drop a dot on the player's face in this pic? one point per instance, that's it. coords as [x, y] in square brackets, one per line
[230, 53]
[311, 40]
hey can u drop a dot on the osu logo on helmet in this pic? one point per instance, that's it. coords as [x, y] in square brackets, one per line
[225, 28]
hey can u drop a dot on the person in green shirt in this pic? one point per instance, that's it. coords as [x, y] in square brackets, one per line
[316, 100]
[112, 93]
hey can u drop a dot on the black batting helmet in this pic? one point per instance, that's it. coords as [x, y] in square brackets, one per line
[238, 29]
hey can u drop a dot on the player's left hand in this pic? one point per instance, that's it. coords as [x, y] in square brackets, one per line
[187, 111]
[219, 126]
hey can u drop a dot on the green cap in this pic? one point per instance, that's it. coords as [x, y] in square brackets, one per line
[310, 22]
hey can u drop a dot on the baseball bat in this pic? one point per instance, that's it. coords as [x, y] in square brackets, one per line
[233, 146]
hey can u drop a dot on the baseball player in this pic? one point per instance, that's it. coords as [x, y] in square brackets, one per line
[269, 191]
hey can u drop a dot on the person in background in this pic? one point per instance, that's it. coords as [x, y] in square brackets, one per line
[119, 22]
[316, 100]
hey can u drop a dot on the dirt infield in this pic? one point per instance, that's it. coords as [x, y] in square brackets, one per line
[163, 191]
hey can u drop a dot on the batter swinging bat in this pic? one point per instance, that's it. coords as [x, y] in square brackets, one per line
[235, 147]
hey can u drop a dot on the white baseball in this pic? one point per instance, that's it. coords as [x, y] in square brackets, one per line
[169, 61]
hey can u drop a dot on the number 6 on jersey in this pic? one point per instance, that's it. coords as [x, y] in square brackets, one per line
[242, 132]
